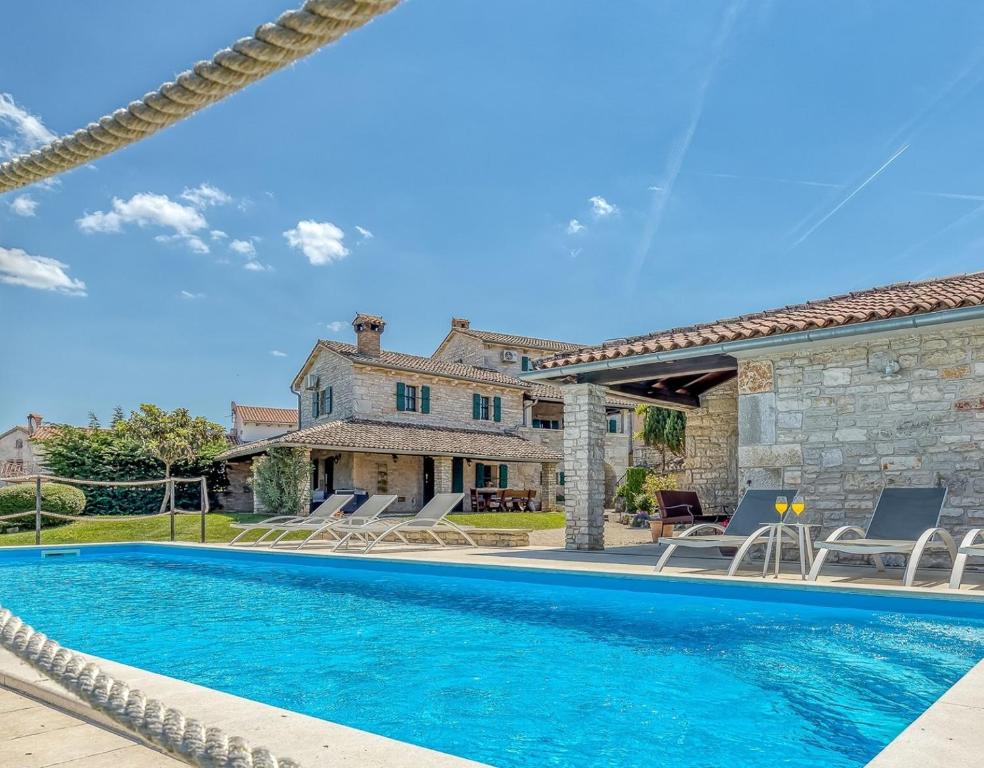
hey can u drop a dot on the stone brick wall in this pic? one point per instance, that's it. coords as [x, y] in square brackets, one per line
[710, 464]
[584, 454]
[840, 422]
[338, 373]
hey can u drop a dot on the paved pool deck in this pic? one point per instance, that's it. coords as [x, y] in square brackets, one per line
[947, 735]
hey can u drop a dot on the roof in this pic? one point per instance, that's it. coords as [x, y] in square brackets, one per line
[417, 364]
[266, 415]
[549, 392]
[526, 342]
[399, 438]
[898, 300]
[45, 431]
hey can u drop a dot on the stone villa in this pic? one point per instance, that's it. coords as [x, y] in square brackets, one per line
[256, 422]
[838, 397]
[20, 454]
[388, 422]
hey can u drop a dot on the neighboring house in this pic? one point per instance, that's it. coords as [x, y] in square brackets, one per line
[389, 422]
[837, 397]
[257, 422]
[20, 452]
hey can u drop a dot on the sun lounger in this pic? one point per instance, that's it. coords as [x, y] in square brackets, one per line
[431, 519]
[369, 512]
[969, 547]
[749, 525]
[328, 509]
[905, 522]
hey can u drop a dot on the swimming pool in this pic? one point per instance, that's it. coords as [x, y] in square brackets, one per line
[515, 667]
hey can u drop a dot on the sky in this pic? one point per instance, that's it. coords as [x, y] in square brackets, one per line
[578, 170]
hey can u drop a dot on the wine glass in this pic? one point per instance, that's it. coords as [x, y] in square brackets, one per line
[799, 504]
[782, 505]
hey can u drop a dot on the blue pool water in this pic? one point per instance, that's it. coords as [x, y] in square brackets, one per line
[517, 668]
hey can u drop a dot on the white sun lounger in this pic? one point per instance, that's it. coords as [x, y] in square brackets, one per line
[905, 522]
[969, 547]
[748, 526]
[328, 509]
[432, 518]
[369, 512]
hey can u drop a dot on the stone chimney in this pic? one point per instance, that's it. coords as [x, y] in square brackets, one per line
[368, 329]
[33, 422]
[460, 324]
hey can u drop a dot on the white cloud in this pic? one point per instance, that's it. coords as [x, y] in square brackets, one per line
[22, 130]
[320, 241]
[24, 205]
[146, 209]
[243, 247]
[205, 196]
[218, 234]
[191, 296]
[336, 326]
[255, 266]
[278, 353]
[194, 243]
[366, 234]
[574, 226]
[20, 268]
[601, 208]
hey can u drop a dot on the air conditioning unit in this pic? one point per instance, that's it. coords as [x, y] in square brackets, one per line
[312, 381]
[508, 356]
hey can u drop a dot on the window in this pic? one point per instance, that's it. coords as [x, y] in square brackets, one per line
[613, 425]
[325, 401]
[406, 397]
[526, 363]
[486, 408]
[546, 424]
[491, 475]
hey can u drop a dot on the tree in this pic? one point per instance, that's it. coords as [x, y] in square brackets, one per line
[281, 480]
[174, 436]
[118, 416]
[663, 428]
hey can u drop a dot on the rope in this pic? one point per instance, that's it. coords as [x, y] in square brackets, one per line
[103, 483]
[101, 518]
[184, 738]
[293, 36]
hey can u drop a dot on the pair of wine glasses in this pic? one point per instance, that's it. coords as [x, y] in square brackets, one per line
[783, 505]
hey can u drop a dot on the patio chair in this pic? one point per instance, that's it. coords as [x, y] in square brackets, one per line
[968, 548]
[432, 518]
[370, 511]
[496, 502]
[748, 526]
[684, 508]
[477, 500]
[329, 508]
[905, 522]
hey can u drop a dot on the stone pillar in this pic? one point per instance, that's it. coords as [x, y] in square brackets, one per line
[548, 486]
[442, 474]
[584, 465]
[305, 505]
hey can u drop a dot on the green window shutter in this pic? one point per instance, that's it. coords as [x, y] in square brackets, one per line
[562, 478]
[526, 363]
[314, 406]
[425, 399]
[331, 400]
[477, 407]
[503, 475]
[613, 425]
[479, 475]
[401, 394]
[497, 408]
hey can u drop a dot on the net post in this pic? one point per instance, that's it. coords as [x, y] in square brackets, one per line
[204, 505]
[37, 510]
[170, 488]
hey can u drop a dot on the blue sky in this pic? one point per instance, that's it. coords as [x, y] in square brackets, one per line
[576, 170]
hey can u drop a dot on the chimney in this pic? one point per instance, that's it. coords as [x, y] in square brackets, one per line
[460, 324]
[33, 422]
[368, 329]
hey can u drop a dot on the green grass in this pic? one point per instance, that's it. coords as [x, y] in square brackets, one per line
[218, 528]
[533, 521]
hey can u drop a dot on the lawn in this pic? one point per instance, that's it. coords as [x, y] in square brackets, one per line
[218, 527]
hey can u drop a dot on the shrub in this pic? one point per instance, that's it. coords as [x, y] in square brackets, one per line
[632, 486]
[653, 484]
[281, 479]
[55, 497]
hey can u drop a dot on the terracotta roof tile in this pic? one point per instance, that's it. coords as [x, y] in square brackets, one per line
[898, 300]
[399, 438]
[527, 342]
[267, 415]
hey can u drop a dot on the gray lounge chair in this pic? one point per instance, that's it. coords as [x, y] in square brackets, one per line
[905, 522]
[369, 512]
[749, 526]
[326, 510]
[432, 518]
[969, 547]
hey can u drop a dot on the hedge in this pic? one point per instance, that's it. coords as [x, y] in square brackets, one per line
[55, 497]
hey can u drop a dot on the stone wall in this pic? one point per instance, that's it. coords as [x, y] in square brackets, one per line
[238, 497]
[710, 464]
[842, 420]
[335, 372]
[584, 458]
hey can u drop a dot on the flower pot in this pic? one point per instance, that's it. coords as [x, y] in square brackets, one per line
[658, 528]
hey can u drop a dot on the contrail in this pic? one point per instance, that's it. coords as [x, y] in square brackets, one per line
[773, 179]
[683, 147]
[854, 192]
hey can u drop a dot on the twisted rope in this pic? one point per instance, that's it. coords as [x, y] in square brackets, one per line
[293, 36]
[184, 738]
[107, 483]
